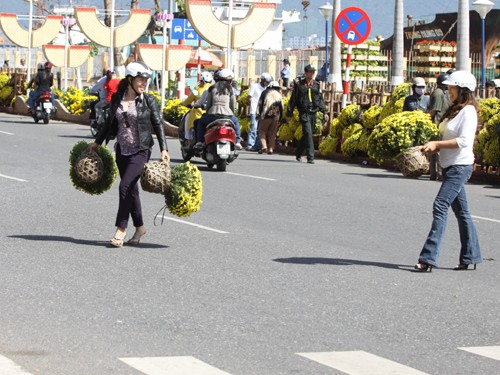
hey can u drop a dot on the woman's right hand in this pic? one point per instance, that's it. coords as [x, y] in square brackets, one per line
[92, 147]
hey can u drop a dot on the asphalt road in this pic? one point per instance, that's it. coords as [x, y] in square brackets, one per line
[316, 259]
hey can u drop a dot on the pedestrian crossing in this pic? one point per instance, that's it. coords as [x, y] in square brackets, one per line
[348, 362]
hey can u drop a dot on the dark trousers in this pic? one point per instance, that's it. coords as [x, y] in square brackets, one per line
[130, 168]
[308, 121]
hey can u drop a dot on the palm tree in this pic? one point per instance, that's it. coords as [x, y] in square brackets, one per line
[463, 36]
[397, 45]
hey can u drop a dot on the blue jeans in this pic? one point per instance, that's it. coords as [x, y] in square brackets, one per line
[34, 95]
[253, 139]
[236, 128]
[452, 193]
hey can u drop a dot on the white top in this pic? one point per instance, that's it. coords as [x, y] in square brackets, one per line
[254, 93]
[463, 129]
[98, 88]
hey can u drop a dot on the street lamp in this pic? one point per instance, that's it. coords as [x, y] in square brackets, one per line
[327, 11]
[482, 7]
[164, 19]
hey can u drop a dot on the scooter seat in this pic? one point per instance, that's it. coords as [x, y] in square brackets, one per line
[221, 121]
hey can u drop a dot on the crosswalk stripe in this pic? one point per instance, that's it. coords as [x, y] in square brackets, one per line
[360, 363]
[7, 367]
[492, 352]
[185, 365]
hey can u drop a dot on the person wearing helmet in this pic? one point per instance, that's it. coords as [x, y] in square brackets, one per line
[110, 86]
[134, 115]
[254, 93]
[285, 73]
[417, 100]
[221, 103]
[196, 112]
[99, 90]
[43, 81]
[457, 131]
[439, 103]
[308, 99]
[269, 113]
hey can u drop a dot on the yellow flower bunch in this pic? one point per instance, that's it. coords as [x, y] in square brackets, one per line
[244, 124]
[486, 147]
[76, 101]
[371, 116]
[243, 98]
[349, 115]
[488, 108]
[328, 145]
[352, 144]
[4, 80]
[184, 196]
[174, 111]
[335, 128]
[399, 132]
[395, 104]
[5, 95]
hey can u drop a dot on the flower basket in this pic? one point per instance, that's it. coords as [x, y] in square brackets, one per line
[412, 162]
[155, 177]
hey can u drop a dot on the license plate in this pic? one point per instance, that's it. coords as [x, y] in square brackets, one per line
[47, 105]
[223, 148]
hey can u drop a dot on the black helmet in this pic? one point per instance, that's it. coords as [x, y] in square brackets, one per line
[441, 78]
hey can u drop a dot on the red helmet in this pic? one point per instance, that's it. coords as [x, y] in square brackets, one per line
[48, 65]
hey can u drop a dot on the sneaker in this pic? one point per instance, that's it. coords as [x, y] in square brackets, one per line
[238, 146]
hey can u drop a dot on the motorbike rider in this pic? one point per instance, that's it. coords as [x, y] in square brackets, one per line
[43, 80]
[99, 90]
[111, 86]
[220, 103]
[195, 113]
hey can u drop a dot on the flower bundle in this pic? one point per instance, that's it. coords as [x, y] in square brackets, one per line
[399, 132]
[355, 140]
[76, 101]
[396, 102]
[328, 145]
[487, 147]
[371, 116]
[349, 115]
[173, 111]
[243, 98]
[109, 174]
[184, 196]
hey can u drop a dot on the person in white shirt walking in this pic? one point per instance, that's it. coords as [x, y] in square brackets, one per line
[457, 131]
[253, 142]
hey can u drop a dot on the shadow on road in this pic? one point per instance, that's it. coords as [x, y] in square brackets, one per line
[340, 262]
[81, 242]
[377, 175]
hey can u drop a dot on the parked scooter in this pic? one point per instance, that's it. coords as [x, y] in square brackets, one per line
[97, 123]
[43, 107]
[219, 147]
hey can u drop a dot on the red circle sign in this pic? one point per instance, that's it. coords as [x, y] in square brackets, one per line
[353, 25]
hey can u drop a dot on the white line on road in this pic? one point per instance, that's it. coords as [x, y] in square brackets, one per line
[7, 367]
[172, 366]
[251, 176]
[485, 218]
[6, 133]
[193, 224]
[492, 352]
[13, 178]
[360, 363]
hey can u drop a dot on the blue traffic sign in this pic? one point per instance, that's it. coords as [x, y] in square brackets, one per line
[182, 29]
[353, 25]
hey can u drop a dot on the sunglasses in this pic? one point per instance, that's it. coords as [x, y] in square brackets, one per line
[125, 119]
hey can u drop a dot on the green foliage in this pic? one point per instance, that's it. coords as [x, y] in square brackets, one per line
[328, 145]
[184, 196]
[399, 132]
[110, 169]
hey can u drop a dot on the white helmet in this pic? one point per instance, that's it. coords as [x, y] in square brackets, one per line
[266, 77]
[226, 74]
[274, 84]
[461, 78]
[206, 77]
[419, 82]
[135, 69]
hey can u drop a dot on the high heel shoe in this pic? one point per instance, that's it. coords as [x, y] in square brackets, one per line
[136, 238]
[463, 267]
[422, 267]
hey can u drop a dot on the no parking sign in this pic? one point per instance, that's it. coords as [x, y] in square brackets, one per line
[353, 25]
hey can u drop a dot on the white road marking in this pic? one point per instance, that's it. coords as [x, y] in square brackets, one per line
[251, 176]
[13, 178]
[1, 131]
[485, 218]
[492, 352]
[172, 366]
[7, 367]
[360, 363]
[193, 224]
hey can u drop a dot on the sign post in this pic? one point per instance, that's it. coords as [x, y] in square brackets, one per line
[352, 26]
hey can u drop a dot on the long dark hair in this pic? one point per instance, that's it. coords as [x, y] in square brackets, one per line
[465, 97]
[122, 85]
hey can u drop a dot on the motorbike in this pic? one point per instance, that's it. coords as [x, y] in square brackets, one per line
[219, 147]
[43, 107]
[97, 123]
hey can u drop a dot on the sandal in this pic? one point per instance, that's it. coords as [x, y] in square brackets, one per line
[136, 238]
[463, 267]
[116, 241]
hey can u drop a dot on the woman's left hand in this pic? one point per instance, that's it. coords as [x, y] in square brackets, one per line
[165, 156]
[430, 147]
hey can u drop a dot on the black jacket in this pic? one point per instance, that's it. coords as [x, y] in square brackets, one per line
[148, 117]
[307, 98]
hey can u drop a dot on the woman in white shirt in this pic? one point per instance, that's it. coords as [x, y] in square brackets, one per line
[457, 132]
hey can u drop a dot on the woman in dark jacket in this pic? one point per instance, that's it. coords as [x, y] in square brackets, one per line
[133, 115]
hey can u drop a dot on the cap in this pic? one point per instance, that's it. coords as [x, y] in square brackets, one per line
[419, 81]
[309, 68]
